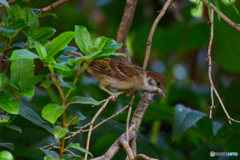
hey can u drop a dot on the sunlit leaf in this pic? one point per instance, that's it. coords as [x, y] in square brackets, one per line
[5, 155]
[59, 132]
[16, 12]
[111, 46]
[61, 65]
[23, 54]
[51, 112]
[84, 100]
[100, 43]
[184, 118]
[83, 39]
[43, 33]
[32, 21]
[8, 104]
[60, 42]
[40, 49]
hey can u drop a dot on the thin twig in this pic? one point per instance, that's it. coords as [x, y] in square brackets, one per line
[143, 157]
[9, 2]
[225, 18]
[52, 6]
[210, 61]
[149, 42]
[91, 125]
[127, 148]
[49, 145]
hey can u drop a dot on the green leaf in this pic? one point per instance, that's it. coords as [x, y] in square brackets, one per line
[30, 83]
[14, 127]
[83, 39]
[84, 100]
[43, 33]
[32, 21]
[21, 71]
[7, 145]
[49, 60]
[47, 14]
[4, 118]
[51, 154]
[68, 84]
[40, 49]
[209, 9]
[18, 24]
[74, 118]
[77, 60]
[33, 117]
[7, 32]
[8, 104]
[19, 44]
[66, 50]
[184, 118]
[218, 9]
[77, 146]
[14, 85]
[61, 65]
[111, 46]
[5, 155]
[5, 21]
[51, 112]
[59, 132]
[23, 54]
[46, 84]
[72, 157]
[16, 12]
[234, 6]
[4, 3]
[60, 42]
[100, 43]
[103, 55]
[3, 81]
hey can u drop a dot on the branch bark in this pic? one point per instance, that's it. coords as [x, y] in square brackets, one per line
[52, 6]
[125, 26]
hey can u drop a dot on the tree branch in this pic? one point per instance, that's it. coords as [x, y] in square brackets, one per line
[149, 42]
[225, 18]
[52, 6]
[124, 27]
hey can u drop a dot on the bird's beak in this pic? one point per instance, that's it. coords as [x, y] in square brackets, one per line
[162, 93]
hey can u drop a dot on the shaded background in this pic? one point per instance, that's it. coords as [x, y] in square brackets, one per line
[179, 51]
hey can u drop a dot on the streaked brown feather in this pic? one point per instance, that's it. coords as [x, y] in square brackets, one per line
[116, 68]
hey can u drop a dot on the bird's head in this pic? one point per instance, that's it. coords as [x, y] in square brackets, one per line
[155, 83]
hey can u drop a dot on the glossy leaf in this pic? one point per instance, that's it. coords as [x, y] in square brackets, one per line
[51, 154]
[61, 65]
[60, 42]
[33, 117]
[5, 155]
[21, 71]
[47, 14]
[184, 118]
[111, 46]
[77, 60]
[83, 39]
[4, 3]
[77, 146]
[65, 50]
[3, 81]
[46, 84]
[32, 21]
[100, 43]
[40, 49]
[43, 33]
[14, 127]
[84, 100]
[74, 118]
[30, 83]
[51, 112]
[4, 118]
[8, 104]
[7, 32]
[23, 54]
[68, 84]
[59, 132]
[7, 145]
[103, 55]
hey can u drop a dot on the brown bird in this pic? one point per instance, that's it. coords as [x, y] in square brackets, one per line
[122, 75]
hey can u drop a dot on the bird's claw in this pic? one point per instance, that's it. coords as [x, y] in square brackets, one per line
[113, 96]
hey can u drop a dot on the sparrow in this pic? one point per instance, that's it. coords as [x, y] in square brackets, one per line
[122, 75]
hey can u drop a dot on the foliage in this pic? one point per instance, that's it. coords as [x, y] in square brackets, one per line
[45, 93]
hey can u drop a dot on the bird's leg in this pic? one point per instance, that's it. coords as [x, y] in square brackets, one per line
[113, 95]
[128, 92]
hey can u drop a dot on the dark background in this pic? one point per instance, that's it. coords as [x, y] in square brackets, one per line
[179, 51]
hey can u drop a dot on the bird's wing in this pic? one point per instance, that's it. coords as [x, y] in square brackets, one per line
[116, 68]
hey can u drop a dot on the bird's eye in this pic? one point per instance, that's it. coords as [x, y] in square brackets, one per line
[159, 83]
